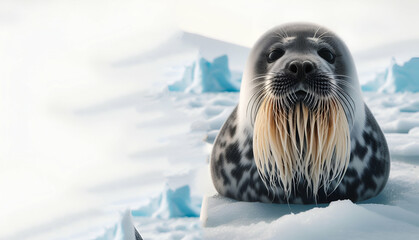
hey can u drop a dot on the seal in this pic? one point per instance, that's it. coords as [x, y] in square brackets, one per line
[301, 132]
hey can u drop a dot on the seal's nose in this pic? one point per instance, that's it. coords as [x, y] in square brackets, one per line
[301, 68]
[308, 67]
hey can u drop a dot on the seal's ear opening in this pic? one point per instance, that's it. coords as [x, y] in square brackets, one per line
[301, 144]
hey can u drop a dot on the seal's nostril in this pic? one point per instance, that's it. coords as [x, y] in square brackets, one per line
[308, 67]
[293, 68]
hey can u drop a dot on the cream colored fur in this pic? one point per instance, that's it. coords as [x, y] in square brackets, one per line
[320, 154]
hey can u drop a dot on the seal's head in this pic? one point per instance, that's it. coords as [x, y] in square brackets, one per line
[302, 101]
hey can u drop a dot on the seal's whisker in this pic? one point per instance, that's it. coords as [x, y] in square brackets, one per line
[279, 35]
[344, 83]
[256, 103]
[266, 76]
[338, 75]
[321, 35]
[345, 96]
[283, 33]
[314, 36]
[348, 107]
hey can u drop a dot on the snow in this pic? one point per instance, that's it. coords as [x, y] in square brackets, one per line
[338, 220]
[404, 144]
[174, 228]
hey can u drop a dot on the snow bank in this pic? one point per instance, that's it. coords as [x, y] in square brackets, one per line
[214, 113]
[400, 125]
[395, 113]
[204, 76]
[169, 204]
[219, 211]
[396, 78]
[229, 219]
[170, 229]
[406, 145]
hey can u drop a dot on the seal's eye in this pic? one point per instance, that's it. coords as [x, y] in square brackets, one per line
[275, 55]
[327, 55]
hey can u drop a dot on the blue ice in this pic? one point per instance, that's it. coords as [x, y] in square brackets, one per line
[204, 76]
[397, 78]
[170, 204]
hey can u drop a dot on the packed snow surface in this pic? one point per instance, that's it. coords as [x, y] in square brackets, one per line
[339, 220]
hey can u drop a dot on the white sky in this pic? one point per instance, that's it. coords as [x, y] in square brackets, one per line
[362, 24]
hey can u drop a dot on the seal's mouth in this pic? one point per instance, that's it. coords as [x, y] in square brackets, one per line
[292, 90]
[300, 94]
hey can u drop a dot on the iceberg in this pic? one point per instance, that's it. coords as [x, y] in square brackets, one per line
[123, 230]
[169, 204]
[204, 76]
[396, 78]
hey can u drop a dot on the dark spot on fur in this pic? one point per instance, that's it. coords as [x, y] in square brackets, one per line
[368, 182]
[360, 150]
[233, 154]
[232, 130]
[218, 166]
[244, 186]
[352, 190]
[238, 171]
[220, 159]
[226, 180]
[377, 166]
[367, 138]
[249, 154]
[350, 172]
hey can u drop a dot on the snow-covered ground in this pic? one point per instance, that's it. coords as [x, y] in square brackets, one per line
[90, 129]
